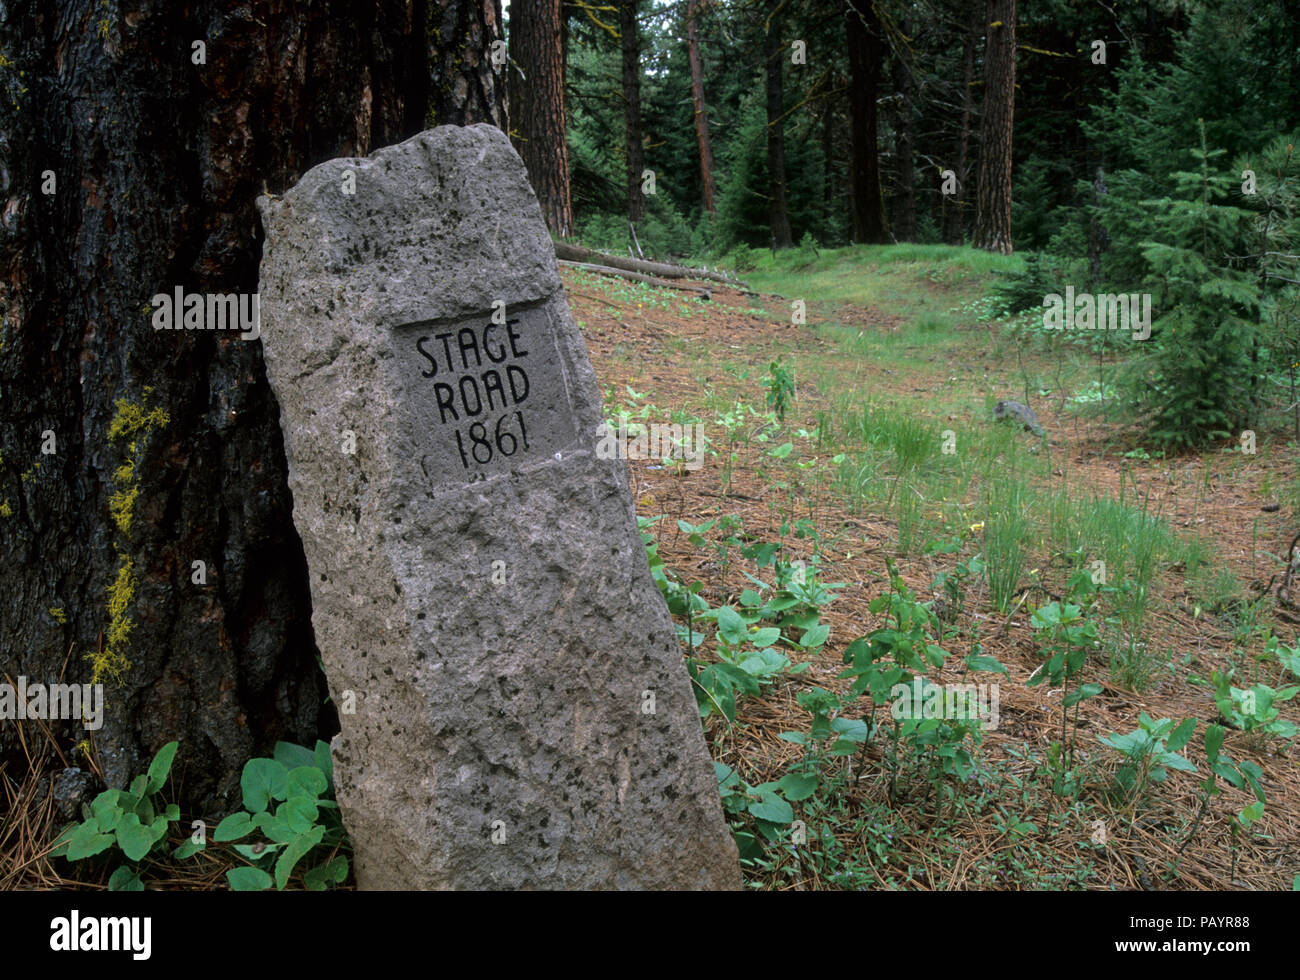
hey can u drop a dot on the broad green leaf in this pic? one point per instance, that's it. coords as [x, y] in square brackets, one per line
[726, 773]
[771, 807]
[815, 637]
[299, 813]
[1175, 761]
[160, 767]
[1253, 774]
[1250, 814]
[305, 781]
[274, 826]
[239, 824]
[292, 756]
[1082, 693]
[133, 837]
[188, 849]
[730, 626]
[798, 786]
[854, 729]
[125, 879]
[765, 637]
[325, 763]
[985, 662]
[60, 848]
[248, 879]
[1129, 744]
[298, 849]
[158, 829]
[262, 781]
[172, 813]
[1229, 774]
[1181, 736]
[1214, 741]
[106, 810]
[332, 872]
[86, 841]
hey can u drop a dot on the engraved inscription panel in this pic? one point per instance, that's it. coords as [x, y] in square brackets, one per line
[486, 394]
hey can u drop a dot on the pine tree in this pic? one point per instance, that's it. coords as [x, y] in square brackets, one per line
[1205, 310]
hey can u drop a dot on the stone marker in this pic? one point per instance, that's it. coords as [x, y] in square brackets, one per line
[480, 594]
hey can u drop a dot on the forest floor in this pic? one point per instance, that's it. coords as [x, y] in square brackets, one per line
[897, 355]
[887, 455]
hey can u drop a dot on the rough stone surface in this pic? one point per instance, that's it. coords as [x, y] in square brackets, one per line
[494, 618]
[1020, 413]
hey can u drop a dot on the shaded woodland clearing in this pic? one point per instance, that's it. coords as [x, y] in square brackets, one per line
[664, 355]
[928, 355]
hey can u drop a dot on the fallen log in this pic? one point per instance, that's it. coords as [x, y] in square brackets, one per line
[576, 253]
[606, 270]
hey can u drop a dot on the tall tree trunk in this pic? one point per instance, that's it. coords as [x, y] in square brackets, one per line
[778, 213]
[167, 445]
[993, 194]
[866, 201]
[954, 206]
[707, 187]
[465, 87]
[828, 154]
[632, 108]
[904, 155]
[537, 107]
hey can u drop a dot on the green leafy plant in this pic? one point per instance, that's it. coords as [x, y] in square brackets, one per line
[1067, 636]
[780, 388]
[1288, 657]
[135, 820]
[755, 813]
[1253, 709]
[1150, 751]
[1239, 775]
[287, 801]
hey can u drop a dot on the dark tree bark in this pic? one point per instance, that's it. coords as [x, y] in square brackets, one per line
[866, 200]
[828, 154]
[633, 143]
[778, 213]
[993, 193]
[953, 206]
[904, 154]
[709, 189]
[465, 86]
[157, 162]
[537, 107]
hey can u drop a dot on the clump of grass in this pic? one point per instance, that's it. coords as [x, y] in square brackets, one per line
[911, 439]
[1134, 663]
[910, 501]
[1006, 532]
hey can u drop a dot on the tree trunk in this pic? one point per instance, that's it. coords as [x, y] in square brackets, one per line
[569, 252]
[708, 188]
[905, 162]
[168, 449]
[866, 201]
[537, 107]
[632, 108]
[993, 195]
[953, 230]
[778, 214]
[465, 87]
